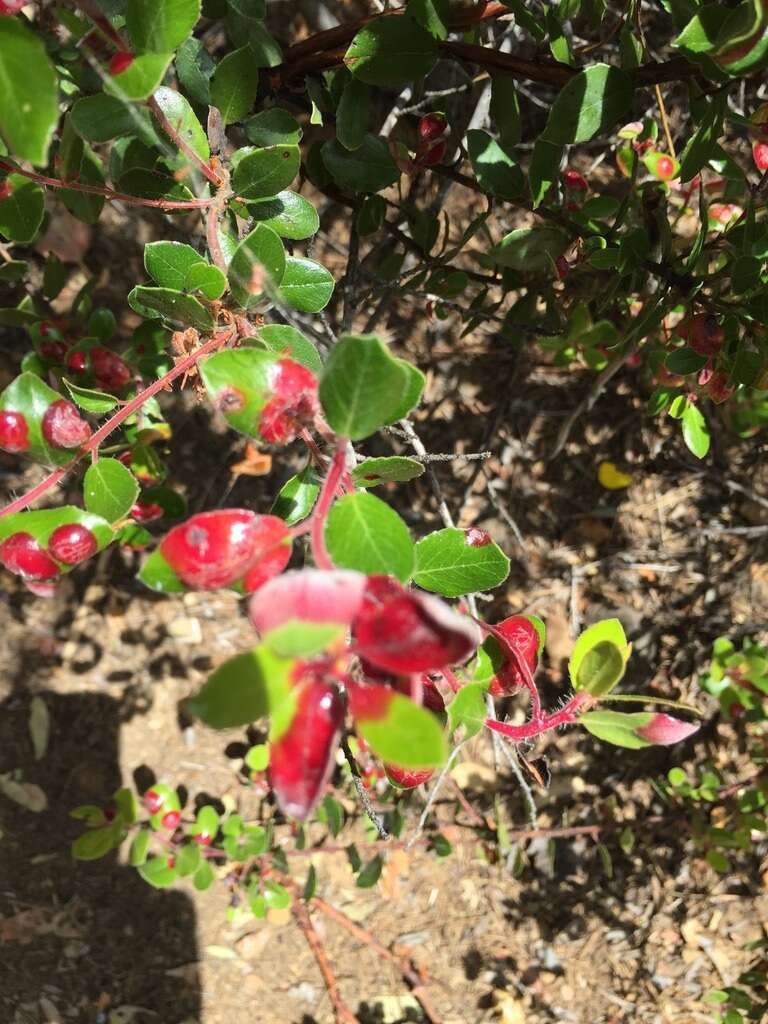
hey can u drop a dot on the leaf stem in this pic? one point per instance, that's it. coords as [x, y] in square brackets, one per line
[323, 507]
[565, 716]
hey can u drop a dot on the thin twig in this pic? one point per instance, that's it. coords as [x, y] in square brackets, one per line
[341, 1011]
[362, 793]
[194, 158]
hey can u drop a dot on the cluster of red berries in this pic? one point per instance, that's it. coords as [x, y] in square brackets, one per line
[68, 545]
[62, 426]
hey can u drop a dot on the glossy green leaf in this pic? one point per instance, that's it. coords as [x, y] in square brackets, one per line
[432, 15]
[257, 266]
[685, 360]
[204, 877]
[700, 146]
[306, 285]
[188, 858]
[139, 848]
[467, 710]
[160, 25]
[370, 873]
[391, 51]
[287, 213]
[273, 127]
[364, 387]
[608, 631]
[100, 118]
[505, 109]
[297, 497]
[447, 564]
[234, 84]
[288, 341]
[695, 430]
[83, 205]
[247, 370]
[95, 843]
[184, 120]
[158, 575]
[617, 727]
[600, 669]
[257, 757]
[90, 400]
[29, 109]
[369, 168]
[153, 185]
[141, 78]
[194, 68]
[353, 114]
[301, 639]
[495, 170]
[205, 279]
[403, 733]
[157, 873]
[171, 305]
[245, 688]
[109, 489]
[543, 169]
[364, 533]
[593, 101]
[393, 468]
[168, 263]
[265, 172]
[21, 214]
[13, 271]
[530, 249]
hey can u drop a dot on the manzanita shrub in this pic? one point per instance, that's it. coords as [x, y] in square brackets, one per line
[366, 640]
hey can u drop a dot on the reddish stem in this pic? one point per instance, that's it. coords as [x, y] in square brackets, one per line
[323, 507]
[114, 421]
[108, 193]
[186, 149]
[565, 716]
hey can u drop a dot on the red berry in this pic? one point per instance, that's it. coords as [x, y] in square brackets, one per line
[562, 268]
[6, 187]
[12, 6]
[21, 554]
[53, 351]
[111, 372]
[120, 62]
[212, 549]
[431, 127]
[520, 635]
[665, 168]
[704, 335]
[271, 552]
[72, 543]
[407, 778]
[171, 819]
[14, 433]
[294, 403]
[171, 862]
[153, 801]
[77, 362]
[63, 426]
[476, 538]
[203, 838]
[147, 512]
[302, 759]
[46, 328]
[760, 155]
[575, 181]
[434, 154]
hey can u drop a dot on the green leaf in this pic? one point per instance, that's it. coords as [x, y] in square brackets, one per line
[287, 341]
[96, 402]
[248, 371]
[171, 305]
[391, 51]
[369, 168]
[495, 170]
[617, 727]
[29, 110]
[13, 271]
[157, 873]
[160, 25]
[297, 497]
[101, 118]
[363, 387]
[188, 859]
[607, 631]
[467, 710]
[235, 84]
[245, 688]
[257, 757]
[593, 101]
[530, 249]
[300, 639]
[447, 564]
[333, 812]
[701, 144]
[287, 213]
[505, 108]
[558, 43]
[685, 360]
[141, 79]
[746, 273]
[168, 263]
[206, 279]
[402, 733]
[371, 215]
[96, 843]
[204, 877]
[194, 68]
[158, 575]
[370, 873]
[544, 169]
[276, 896]
[153, 185]
[695, 431]
[306, 285]
[353, 114]
[364, 533]
[109, 489]
[31, 396]
[393, 468]
[184, 120]
[432, 15]
[265, 172]
[601, 668]
[257, 266]
[21, 214]
[42, 523]
[273, 127]
[139, 848]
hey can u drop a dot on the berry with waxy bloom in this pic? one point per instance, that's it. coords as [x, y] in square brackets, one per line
[120, 62]
[171, 819]
[665, 730]
[212, 549]
[21, 554]
[407, 778]
[271, 552]
[14, 432]
[111, 372]
[63, 426]
[309, 595]
[71, 543]
[519, 636]
[294, 403]
[302, 759]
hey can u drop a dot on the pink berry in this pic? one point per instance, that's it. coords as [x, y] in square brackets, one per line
[294, 403]
[153, 801]
[111, 372]
[147, 512]
[11, 6]
[575, 181]
[171, 819]
[72, 543]
[476, 538]
[63, 426]
[21, 554]
[407, 778]
[212, 549]
[53, 351]
[760, 155]
[14, 433]
[120, 62]
[203, 838]
[431, 127]
[77, 362]
[271, 552]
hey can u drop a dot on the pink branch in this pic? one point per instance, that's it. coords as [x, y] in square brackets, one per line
[113, 422]
[323, 507]
[565, 716]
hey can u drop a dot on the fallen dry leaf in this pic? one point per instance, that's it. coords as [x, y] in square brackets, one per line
[25, 793]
